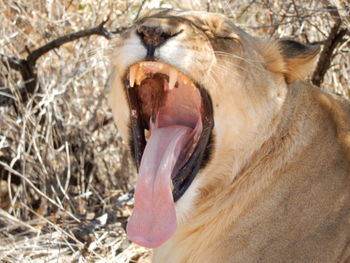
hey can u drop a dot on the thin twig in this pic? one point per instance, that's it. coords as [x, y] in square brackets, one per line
[55, 226]
[15, 220]
[246, 9]
[140, 9]
[36, 189]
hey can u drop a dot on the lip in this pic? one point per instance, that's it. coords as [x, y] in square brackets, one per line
[186, 174]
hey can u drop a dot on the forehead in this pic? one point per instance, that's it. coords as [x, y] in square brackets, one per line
[165, 12]
[201, 19]
[181, 15]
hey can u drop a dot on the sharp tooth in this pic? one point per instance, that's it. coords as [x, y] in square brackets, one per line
[184, 79]
[166, 86]
[140, 76]
[147, 134]
[134, 113]
[172, 78]
[132, 75]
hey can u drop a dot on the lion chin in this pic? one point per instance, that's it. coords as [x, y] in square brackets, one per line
[239, 159]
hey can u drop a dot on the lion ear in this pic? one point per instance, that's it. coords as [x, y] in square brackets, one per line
[294, 60]
[299, 59]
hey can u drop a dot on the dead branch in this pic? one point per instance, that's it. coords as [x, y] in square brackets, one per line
[26, 67]
[98, 30]
[333, 41]
[139, 10]
[335, 38]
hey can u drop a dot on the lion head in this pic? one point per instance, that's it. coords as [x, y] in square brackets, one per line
[195, 96]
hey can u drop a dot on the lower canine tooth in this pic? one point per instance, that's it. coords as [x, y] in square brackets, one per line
[147, 134]
[172, 78]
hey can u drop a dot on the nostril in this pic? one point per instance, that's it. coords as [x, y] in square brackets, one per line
[165, 36]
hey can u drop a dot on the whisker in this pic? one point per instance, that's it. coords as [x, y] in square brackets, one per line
[197, 63]
[248, 61]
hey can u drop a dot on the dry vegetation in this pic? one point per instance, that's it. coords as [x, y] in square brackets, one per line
[66, 180]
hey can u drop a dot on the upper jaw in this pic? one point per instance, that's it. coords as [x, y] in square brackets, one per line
[139, 71]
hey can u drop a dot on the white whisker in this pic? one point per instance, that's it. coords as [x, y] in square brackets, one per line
[251, 62]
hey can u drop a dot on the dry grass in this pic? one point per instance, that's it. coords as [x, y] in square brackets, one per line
[66, 180]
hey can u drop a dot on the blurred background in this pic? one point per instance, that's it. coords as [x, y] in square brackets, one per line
[66, 178]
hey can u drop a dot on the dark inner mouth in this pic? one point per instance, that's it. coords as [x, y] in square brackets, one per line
[160, 96]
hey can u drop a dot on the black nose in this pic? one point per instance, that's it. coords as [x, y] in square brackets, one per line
[152, 36]
[154, 33]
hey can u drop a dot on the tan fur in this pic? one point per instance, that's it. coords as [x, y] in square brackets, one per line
[277, 187]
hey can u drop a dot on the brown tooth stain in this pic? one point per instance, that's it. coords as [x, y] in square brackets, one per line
[147, 134]
[184, 79]
[140, 76]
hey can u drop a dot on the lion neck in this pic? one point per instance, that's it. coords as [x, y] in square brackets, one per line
[234, 183]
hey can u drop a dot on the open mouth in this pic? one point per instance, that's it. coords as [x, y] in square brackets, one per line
[171, 123]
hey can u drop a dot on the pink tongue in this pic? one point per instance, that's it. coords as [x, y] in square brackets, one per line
[154, 220]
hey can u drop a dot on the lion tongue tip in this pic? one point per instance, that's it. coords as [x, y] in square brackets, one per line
[150, 241]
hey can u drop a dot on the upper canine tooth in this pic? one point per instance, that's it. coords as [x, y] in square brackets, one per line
[132, 75]
[172, 78]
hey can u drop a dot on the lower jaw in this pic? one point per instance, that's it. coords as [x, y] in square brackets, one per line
[202, 153]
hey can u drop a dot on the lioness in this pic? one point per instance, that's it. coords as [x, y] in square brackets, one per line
[239, 160]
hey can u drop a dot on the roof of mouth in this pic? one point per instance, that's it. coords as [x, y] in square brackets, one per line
[165, 91]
